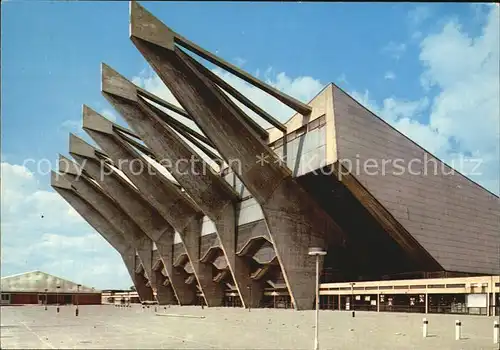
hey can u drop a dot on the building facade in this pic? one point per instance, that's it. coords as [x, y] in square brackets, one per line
[224, 213]
[41, 288]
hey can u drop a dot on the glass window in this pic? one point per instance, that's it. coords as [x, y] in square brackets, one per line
[314, 124]
[278, 142]
[322, 120]
[301, 131]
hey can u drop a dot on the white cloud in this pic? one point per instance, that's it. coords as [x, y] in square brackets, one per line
[389, 75]
[463, 117]
[239, 61]
[109, 114]
[303, 88]
[341, 80]
[395, 50]
[466, 71]
[40, 231]
[71, 125]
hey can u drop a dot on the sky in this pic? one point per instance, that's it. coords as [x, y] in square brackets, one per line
[430, 70]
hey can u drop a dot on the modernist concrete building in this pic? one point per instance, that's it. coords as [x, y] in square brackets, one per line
[231, 208]
[37, 287]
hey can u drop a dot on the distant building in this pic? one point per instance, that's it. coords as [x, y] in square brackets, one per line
[120, 296]
[37, 287]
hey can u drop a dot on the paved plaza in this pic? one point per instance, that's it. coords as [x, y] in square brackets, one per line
[106, 326]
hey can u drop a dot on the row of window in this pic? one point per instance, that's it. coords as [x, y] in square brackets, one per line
[316, 123]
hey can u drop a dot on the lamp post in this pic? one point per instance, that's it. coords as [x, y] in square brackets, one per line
[250, 292]
[77, 291]
[57, 297]
[46, 290]
[352, 298]
[317, 252]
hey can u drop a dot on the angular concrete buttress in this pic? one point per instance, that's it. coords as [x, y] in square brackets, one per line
[210, 192]
[63, 187]
[133, 203]
[93, 194]
[295, 221]
[170, 202]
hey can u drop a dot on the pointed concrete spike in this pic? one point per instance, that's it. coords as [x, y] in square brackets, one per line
[67, 166]
[114, 83]
[145, 26]
[80, 147]
[95, 121]
[58, 180]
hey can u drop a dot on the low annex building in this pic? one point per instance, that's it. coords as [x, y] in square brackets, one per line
[38, 287]
[234, 226]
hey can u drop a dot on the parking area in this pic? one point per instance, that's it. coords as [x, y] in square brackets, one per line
[106, 326]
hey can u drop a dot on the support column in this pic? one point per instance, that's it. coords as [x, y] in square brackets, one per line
[132, 203]
[108, 208]
[295, 221]
[426, 303]
[104, 228]
[164, 294]
[494, 301]
[210, 192]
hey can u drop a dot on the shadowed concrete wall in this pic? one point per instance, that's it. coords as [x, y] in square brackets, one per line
[164, 292]
[446, 213]
[294, 220]
[105, 229]
[210, 192]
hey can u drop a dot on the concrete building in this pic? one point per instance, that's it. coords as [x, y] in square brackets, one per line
[38, 287]
[231, 208]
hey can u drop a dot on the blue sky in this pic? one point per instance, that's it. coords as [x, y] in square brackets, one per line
[429, 69]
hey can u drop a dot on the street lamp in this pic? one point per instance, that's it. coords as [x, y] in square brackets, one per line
[46, 290]
[57, 297]
[352, 298]
[317, 252]
[250, 292]
[77, 291]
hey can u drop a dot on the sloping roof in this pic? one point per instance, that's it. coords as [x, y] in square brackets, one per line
[38, 281]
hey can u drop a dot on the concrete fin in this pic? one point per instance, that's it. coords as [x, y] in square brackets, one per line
[206, 189]
[116, 84]
[94, 121]
[94, 218]
[145, 26]
[56, 180]
[80, 147]
[67, 166]
[295, 221]
[109, 233]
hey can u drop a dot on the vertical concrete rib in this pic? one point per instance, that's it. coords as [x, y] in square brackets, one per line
[209, 191]
[295, 221]
[131, 201]
[63, 187]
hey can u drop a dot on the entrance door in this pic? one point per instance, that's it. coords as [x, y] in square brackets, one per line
[5, 298]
